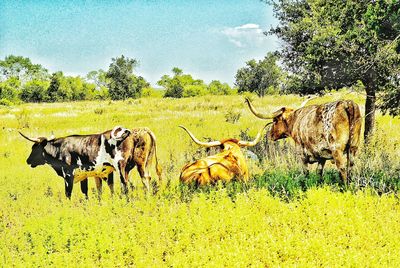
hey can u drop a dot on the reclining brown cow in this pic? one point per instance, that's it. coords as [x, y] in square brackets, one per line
[321, 132]
[226, 165]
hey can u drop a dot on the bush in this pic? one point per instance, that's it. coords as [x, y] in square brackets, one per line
[152, 92]
[8, 90]
[34, 91]
[217, 88]
[232, 116]
[174, 89]
[194, 90]
[5, 102]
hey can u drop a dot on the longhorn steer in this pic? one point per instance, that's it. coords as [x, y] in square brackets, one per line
[321, 132]
[77, 157]
[225, 166]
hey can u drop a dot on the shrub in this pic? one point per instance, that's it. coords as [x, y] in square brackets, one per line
[232, 116]
[34, 91]
[194, 90]
[8, 90]
[5, 102]
[218, 88]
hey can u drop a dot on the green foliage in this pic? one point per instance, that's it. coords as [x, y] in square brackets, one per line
[21, 68]
[173, 85]
[6, 102]
[58, 89]
[184, 85]
[8, 89]
[195, 90]
[332, 44]
[218, 88]
[34, 91]
[152, 92]
[121, 81]
[390, 102]
[260, 77]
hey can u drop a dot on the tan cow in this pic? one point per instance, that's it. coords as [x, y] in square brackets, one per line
[138, 149]
[226, 165]
[321, 132]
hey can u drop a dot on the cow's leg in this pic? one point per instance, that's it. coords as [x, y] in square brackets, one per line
[110, 182]
[340, 162]
[144, 175]
[69, 184]
[304, 161]
[123, 176]
[320, 168]
[350, 160]
[99, 184]
[84, 188]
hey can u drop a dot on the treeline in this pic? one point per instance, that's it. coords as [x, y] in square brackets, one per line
[23, 81]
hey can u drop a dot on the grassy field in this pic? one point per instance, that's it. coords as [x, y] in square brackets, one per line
[281, 218]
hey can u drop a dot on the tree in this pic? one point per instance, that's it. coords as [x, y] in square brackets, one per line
[22, 69]
[98, 78]
[59, 89]
[218, 88]
[121, 81]
[174, 87]
[332, 44]
[181, 85]
[34, 91]
[8, 92]
[259, 77]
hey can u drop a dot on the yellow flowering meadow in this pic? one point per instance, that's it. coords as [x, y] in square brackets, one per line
[320, 224]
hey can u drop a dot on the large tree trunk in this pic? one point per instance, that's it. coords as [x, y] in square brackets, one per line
[370, 107]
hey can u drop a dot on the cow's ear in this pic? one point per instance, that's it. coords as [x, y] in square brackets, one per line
[286, 112]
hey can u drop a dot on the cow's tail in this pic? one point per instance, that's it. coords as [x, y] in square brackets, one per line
[154, 147]
[354, 115]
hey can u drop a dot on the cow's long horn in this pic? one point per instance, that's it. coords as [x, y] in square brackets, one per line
[256, 140]
[30, 139]
[205, 144]
[306, 101]
[256, 113]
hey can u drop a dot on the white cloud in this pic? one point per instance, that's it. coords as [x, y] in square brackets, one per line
[246, 35]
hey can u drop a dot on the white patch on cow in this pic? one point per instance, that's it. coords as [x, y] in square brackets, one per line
[79, 162]
[104, 157]
[66, 183]
[63, 172]
[327, 115]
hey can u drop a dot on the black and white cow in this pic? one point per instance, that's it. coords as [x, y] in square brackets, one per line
[77, 157]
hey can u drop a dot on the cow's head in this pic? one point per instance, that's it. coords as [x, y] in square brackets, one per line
[227, 144]
[119, 133]
[281, 126]
[37, 156]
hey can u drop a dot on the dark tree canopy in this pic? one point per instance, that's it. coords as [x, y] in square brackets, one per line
[121, 81]
[331, 44]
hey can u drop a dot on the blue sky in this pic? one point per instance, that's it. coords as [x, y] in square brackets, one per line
[208, 39]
